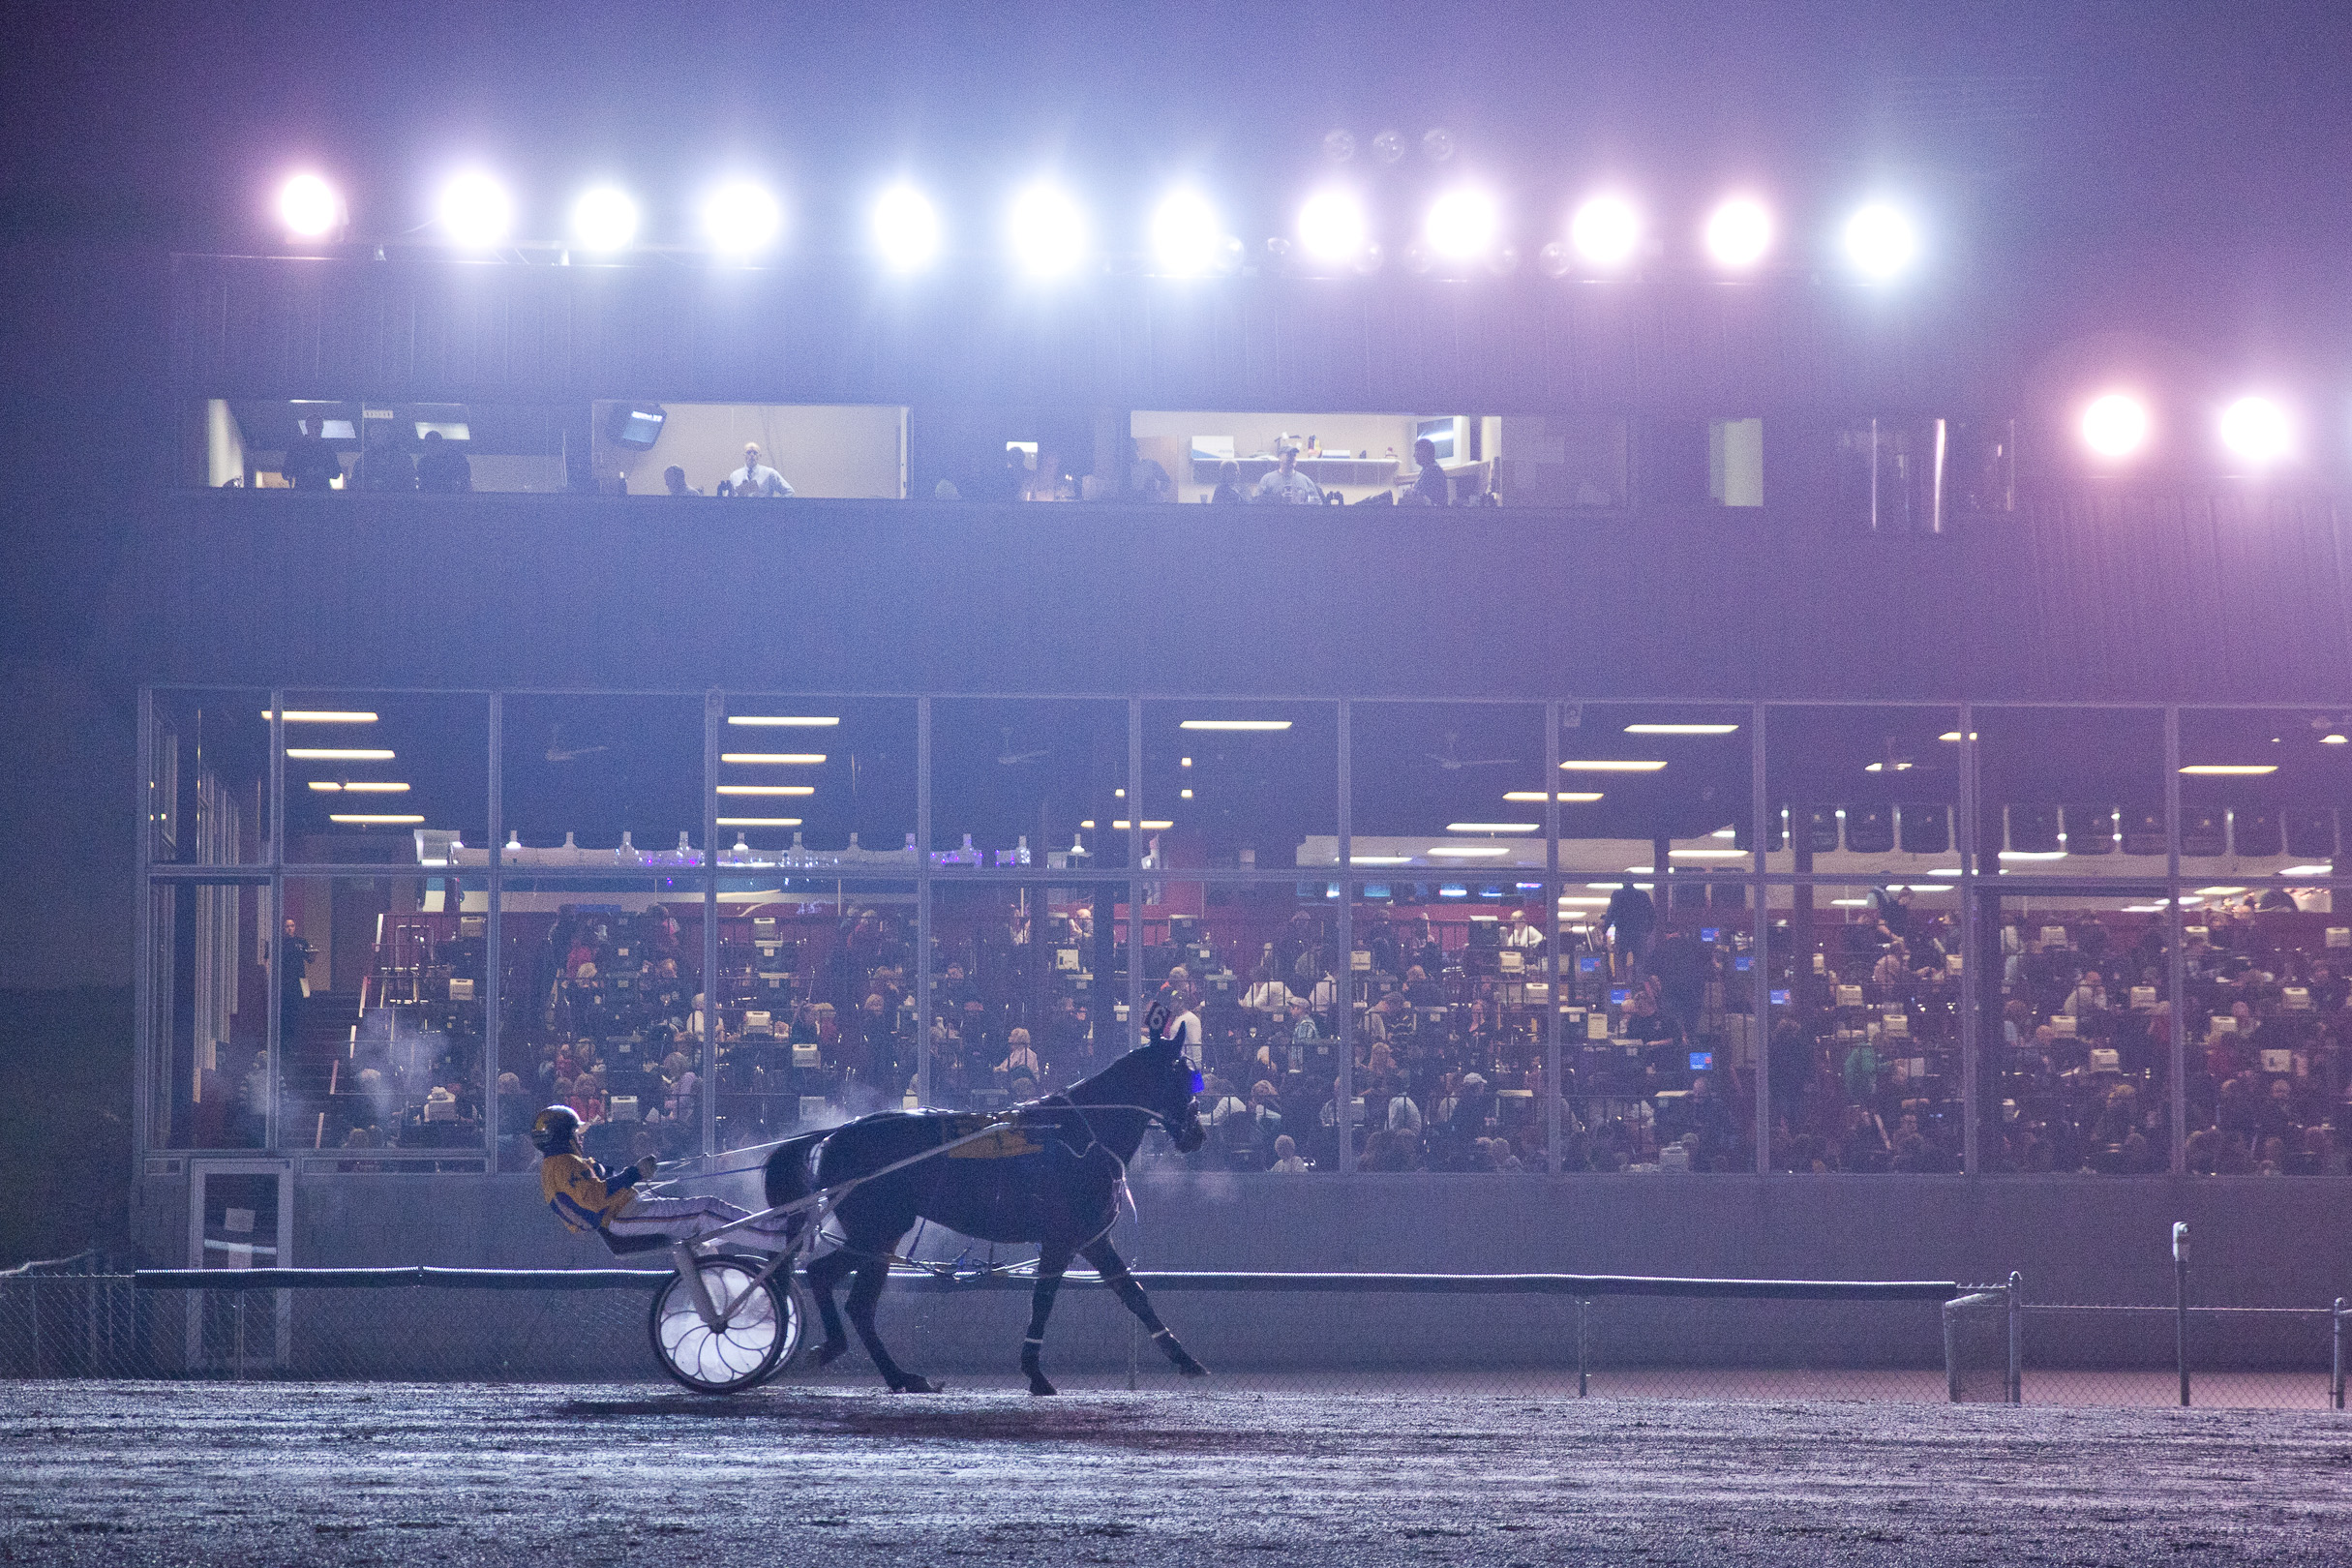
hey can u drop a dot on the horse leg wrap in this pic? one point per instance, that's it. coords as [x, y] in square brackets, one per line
[1178, 1355]
[1038, 1381]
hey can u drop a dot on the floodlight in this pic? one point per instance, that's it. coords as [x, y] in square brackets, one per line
[1605, 231]
[906, 228]
[1047, 232]
[1330, 227]
[1738, 233]
[1881, 241]
[1186, 238]
[741, 216]
[1461, 223]
[309, 208]
[2115, 424]
[2255, 429]
[604, 218]
[475, 211]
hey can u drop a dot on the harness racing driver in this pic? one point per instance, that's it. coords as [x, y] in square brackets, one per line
[590, 1199]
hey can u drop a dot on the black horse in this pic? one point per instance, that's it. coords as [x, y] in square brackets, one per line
[1047, 1172]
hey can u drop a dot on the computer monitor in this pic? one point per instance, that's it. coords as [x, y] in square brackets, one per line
[1619, 995]
[1780, 999]
[1703, 1060]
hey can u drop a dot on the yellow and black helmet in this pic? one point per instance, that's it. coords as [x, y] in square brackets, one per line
[556, 1130]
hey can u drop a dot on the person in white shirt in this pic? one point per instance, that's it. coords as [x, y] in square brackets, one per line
[1287, 484]
[1522, 934]
[2090, 996]
[1185, 1027]
[755, 478]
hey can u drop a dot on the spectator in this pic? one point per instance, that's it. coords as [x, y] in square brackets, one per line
[1632, 917]
[674, 481]
[441, 469]
[1146, 479]
[309, 462]
[383, 466]
[1286, 484]
[1286, 1161]
[755, 478]
[1229, 491]
[1430, 487]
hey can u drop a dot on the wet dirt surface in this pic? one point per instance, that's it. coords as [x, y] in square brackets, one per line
[328, 1474]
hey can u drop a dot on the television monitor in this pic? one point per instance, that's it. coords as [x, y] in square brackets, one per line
[1442, 434]
[1780, 999]
[638, 425]
[1703, 1060]
[1619, 996]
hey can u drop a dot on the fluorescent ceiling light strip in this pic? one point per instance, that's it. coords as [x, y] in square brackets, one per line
[767, 789]
[2313, 870]
[339, 754]
[797, 758]
[759, 822]
[1494, 826]
[1235, 724]
[2230, 770]
[1379, 860]
[1710, 854]
[1578, 797]
[2032, 855]
[322, 715]
[366, 818]
[1680, 729]
[1610, 765]
[783, 722]
[358, 787]
[1468, 852]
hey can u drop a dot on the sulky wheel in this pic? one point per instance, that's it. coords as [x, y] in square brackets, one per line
[760, 1334]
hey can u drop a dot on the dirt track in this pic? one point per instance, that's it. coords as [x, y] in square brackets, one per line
[400, 1473]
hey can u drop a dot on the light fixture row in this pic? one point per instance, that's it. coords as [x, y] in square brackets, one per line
[2119, 427]
[1047, 232]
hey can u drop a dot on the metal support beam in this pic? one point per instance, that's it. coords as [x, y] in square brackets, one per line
[1343, 970]
[714, 717]
[1974, 980]
[922, 900]
[1555, 967]
[1760, 955]
[2176, 961]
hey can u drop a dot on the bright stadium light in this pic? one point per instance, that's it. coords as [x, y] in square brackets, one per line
[1046, 230]
[1461, 224]
[1186, 238]
[906, 228]
[1882, 242]
[1738, 233]
[309, 208]
[741, 216]
[2115, 426]
[1330, 227]
[1606, 231]
[475, 211]
[2255, 429]
[604, 218]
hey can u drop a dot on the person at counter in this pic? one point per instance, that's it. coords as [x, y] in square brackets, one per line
[1286, 484]
[1147, 479]
[756, 478]
[1229, 491]
[674, 481]
[309, 462]
[1430, 487]
[441, 469]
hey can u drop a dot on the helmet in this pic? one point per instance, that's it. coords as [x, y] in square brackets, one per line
[556, 1130]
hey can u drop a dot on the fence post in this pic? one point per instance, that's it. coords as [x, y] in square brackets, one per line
[2180, 1300]
[2336, 1375]
[1584, 1377]
[2016, 1338]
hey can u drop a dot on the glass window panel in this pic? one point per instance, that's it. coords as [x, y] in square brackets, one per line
[1875, 790]
[1430, 781]
[1634, 774]
[1252, 785]
[819, 781]
[1026, 995]
[1014, 778]
[386, 1052]
[208, 777]
[2070, 791]
[385, 777]
[209, 1033]
[1864, 1058]
[600, 993]
[2077, 1036]
[604, 779]
[2260, 791]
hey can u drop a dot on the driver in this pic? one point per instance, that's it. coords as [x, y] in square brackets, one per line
[589, 1199]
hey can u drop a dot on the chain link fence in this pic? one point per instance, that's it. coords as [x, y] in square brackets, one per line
[592, 1326]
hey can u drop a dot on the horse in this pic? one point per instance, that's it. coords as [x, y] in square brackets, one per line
[1049, 1172]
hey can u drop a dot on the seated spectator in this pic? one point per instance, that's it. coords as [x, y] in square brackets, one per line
[1286, 1161]
[1147, 480]
[1286, 484]
[674, 481]
[309, 462]
[441, 469]
[1229, 491]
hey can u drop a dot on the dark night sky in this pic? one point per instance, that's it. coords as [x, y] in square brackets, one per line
[2154, 166]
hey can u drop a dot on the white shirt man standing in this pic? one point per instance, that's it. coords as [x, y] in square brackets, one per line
[754, 478]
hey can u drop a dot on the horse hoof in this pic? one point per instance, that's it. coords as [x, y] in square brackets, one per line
[830, 1351]
[912, 1384]
[1185, 1365]
[1039, 1386]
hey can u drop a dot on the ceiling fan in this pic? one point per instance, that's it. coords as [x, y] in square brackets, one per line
[1450, 759]
[558, 753]
[1010, 758]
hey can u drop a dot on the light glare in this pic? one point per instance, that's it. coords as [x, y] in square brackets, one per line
[1739, 233]
[2255, 429]
[1461, 224]
[475, 210]
[309, 208]
[906, 228]
[1330, 227]
[1048, 232]
[2115, 426]
[1881, 241]
[1605, 231]
[604, 218]
[741, 216]
[1186, 234]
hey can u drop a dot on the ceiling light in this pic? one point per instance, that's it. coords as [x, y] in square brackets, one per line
[2332, 738]
[2256, 430]
[799, 758]
[1606, 231]
[475, 211]
[1578, 797]
[1493, 826]
[780, 722]
[2115, 424]
[604, 218]
[1330, 227]
[1149, 825]
[1849, 903]
[1953, 736]
[322, 715]
[339, 753]
[309, 208]
[1725, 833]
[1461, 224]
[1945, 871]
[766, 789]
[2230, 770]
[1680, 729]
[1468, 852]
[741, 216]
[1567, 899]
[759, 822]
[2316, 870]
[2219, 892]
[906, 228]
[1887, 768]
[1607, 765]
[1738, 233]
[1709, 854]
[1186, 238]
[1046, 230]
[1881, 241]
[1235, 724]
[328, 786]
[1184, 795]
[2029, 855]
[368, 819]
[1379, 860]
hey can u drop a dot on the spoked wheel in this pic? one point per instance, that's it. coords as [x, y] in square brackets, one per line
[762, 1332]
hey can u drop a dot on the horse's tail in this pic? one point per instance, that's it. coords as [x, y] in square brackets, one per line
[787, 1174]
